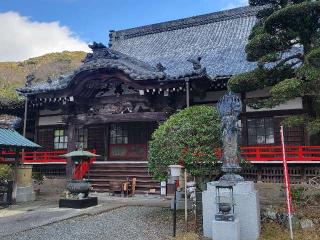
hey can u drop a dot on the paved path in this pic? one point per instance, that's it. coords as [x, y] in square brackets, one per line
[125, 223]
[32, 218]
[21, 218]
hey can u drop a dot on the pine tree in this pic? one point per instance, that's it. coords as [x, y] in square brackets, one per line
[285, 43]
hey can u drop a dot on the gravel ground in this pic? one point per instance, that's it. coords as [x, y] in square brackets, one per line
[134, 223]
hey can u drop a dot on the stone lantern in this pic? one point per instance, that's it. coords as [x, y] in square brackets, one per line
[225, 201]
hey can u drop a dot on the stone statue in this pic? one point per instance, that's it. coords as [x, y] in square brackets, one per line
[229, 107]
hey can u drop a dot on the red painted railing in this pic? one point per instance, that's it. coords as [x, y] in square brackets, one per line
[44, 157]
[50, 157]
[274, 153]
[256, 154]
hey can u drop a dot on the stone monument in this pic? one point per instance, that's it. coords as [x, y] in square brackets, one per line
[25, 191]
[243, 222]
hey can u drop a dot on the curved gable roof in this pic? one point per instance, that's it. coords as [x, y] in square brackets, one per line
[218, 38]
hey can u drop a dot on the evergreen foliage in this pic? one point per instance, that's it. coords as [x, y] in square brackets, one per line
[188, 137]
[13, 74]
[6, 172]
[285, 43]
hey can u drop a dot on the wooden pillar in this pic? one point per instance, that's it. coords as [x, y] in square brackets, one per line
[15, 176]
[244, 126]
[106, 141]
[259, 173]
[71, 147]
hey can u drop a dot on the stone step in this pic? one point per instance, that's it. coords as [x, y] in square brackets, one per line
[122, 180]
[101, 175]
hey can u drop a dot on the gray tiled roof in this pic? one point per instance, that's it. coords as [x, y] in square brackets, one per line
[219, 38]
[101, 58]
[9, 121]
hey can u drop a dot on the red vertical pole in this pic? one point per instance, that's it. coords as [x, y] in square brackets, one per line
[287, 182]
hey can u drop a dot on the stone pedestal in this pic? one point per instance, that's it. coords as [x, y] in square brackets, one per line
[78, 203]
[25, 194]
[24, 188]
[222, 230]
[247, 210]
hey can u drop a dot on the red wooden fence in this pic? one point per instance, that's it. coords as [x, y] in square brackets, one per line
[268, 154]
[255, 154]
[52, 157]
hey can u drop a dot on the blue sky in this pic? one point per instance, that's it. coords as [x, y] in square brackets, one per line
[91, 20]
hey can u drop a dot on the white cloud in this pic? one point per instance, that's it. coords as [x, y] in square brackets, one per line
[236, 3]
[22, 38]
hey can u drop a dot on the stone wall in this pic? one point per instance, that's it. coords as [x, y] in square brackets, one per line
[51, 186]
[271, 193]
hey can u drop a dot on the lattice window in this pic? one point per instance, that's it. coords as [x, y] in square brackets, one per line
[128, 141]
[82, 137]
[260, 131]
[119, 134]
[60, 139]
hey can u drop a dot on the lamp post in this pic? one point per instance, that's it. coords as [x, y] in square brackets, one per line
[28, 83]
[175, 171]
[185, 171]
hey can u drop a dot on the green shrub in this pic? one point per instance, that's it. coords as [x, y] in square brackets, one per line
[38, 177]
[6, 172]
[188, 137]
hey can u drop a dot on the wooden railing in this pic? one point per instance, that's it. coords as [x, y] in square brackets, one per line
[49, 157]
[44, 157]
[254, 154]
[269, 154]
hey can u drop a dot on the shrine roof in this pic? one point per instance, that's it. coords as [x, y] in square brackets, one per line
[9, 121]
[171, 50]
[11, 138]
[218, 38]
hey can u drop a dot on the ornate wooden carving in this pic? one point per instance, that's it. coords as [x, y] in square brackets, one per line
[121, 107]
[89, 119]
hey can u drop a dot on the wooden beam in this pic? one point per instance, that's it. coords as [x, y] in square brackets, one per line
[127, 117]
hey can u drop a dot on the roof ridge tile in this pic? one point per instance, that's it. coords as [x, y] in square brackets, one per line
[193, 21]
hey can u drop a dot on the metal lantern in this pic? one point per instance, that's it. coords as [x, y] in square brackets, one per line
[225, 201]
[78, 185]
[175, 170]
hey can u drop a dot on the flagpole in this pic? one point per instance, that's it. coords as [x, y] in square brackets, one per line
[287, 182]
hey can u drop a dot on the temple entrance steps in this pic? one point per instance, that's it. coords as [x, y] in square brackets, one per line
[102, 173]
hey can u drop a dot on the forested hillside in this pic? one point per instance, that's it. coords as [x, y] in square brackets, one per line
[13, 74]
